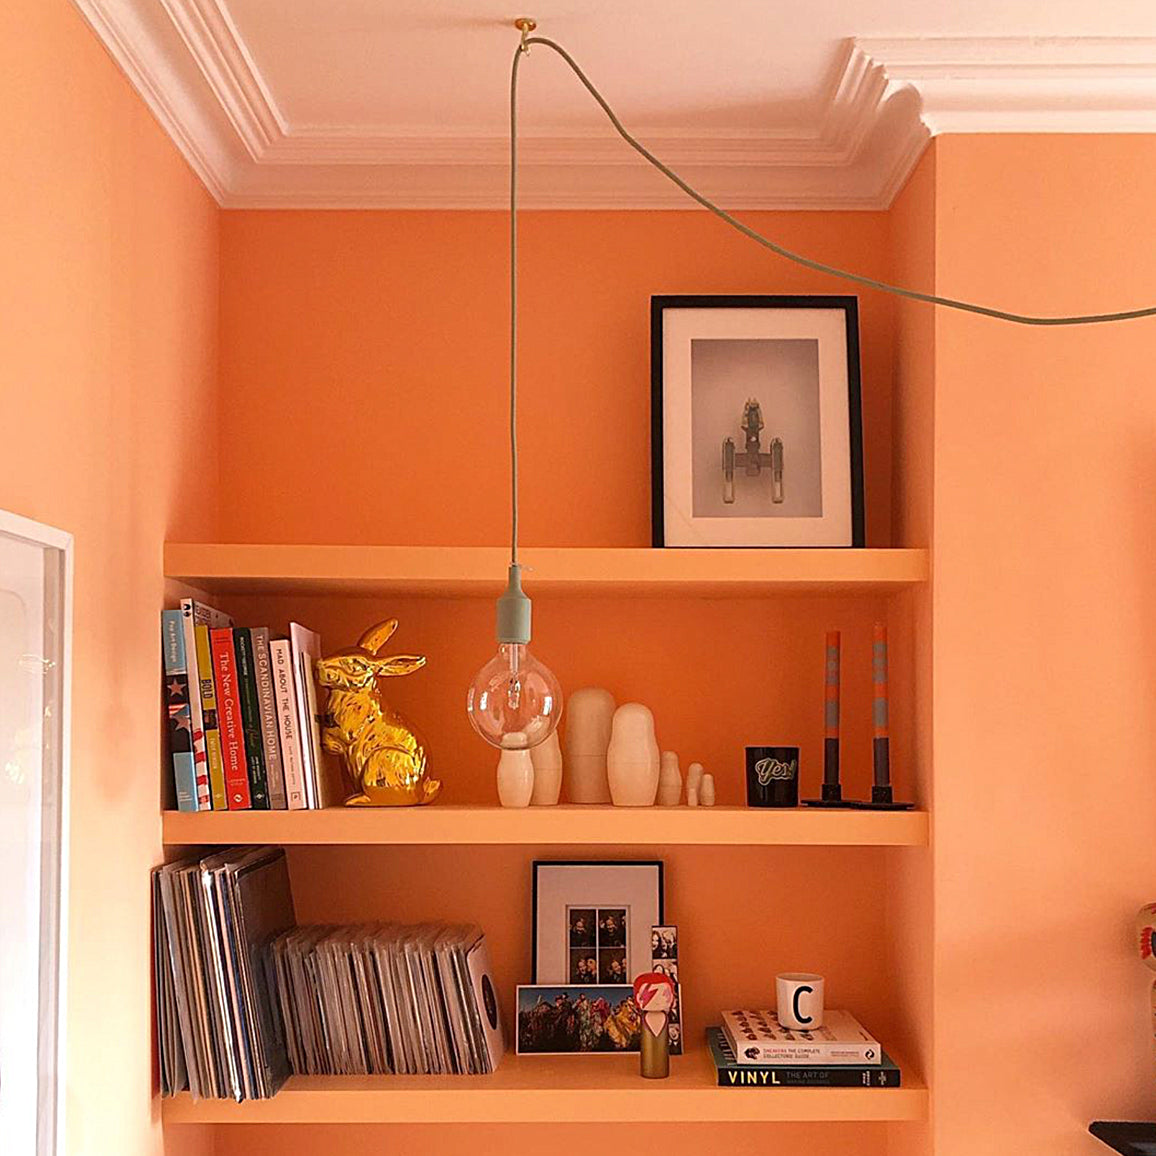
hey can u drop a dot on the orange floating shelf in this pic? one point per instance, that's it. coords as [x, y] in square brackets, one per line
[557, 826]
[554, 1090]
[448, 571]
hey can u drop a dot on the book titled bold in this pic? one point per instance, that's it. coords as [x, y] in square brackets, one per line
[177, 702]
[288, 724]
[732, 1074]
[229, 718]
[757, 1038]
[251, 718]
[267, 702]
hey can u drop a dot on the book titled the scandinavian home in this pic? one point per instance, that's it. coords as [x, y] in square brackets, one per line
[757, 1038]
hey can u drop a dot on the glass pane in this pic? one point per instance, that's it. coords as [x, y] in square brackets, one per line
[31, 604]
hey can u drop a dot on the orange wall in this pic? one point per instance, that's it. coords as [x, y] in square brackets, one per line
[364, 360]
[108, 316]
[1045, 628]
[335, 324]
[911, 909]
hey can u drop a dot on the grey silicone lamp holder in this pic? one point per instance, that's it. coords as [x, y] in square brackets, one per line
[514, 610]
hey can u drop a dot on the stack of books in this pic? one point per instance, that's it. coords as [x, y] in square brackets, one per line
[388, 1000]
[242, 708]
[219, 1031]
[752, 1050]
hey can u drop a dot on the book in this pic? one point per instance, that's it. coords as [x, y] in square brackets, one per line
[732, 1074]
[198, 615]
[179, 714]
[306, 649]
[288, 723]
[251, 719]
[208, 693]
[200, 756]
[757, 1038]
[267, 704]
[229, 716]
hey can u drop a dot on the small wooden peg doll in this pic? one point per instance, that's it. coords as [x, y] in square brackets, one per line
[1146, 936]
[654, 997]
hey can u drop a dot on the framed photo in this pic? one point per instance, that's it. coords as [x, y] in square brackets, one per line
[593, 920]
[756, 426]
[564, 1021]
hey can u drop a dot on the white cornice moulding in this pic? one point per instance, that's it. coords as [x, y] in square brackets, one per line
[1024, 84]
[140, 39]
[190, 65]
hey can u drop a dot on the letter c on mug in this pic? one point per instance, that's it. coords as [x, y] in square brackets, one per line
[800, 991]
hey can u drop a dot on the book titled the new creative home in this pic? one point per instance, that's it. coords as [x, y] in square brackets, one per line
[758, 1038]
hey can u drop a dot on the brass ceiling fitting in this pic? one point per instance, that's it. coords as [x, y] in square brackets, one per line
[525, 25]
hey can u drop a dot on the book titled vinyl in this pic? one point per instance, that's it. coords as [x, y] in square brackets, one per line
[732, 1074]
[758, 1038]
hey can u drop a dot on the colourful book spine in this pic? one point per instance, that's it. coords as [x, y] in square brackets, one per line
[251, 719]
[229, 717]
[177, 701]
[200, 754]
[267, 702]
[208, 688]
[281, 657]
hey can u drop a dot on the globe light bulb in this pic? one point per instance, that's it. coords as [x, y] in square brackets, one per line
[514, 701]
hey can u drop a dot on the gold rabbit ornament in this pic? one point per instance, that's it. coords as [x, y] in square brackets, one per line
[383, 754]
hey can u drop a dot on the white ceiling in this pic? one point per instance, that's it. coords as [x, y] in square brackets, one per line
[817, 104]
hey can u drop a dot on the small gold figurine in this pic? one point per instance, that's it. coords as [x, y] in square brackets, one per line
[654, 997]
[382, 753]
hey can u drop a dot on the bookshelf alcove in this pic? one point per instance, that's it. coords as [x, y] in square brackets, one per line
[736, 875]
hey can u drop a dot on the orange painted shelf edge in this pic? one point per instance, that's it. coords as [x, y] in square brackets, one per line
[559, 826]
[481, 570]
[551, 1089]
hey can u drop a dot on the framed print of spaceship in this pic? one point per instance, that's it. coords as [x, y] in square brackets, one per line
[756, 427]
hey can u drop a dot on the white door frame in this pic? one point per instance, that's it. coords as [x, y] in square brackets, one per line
[51, 538]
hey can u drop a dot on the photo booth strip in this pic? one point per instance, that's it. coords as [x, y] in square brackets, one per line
[663, 955]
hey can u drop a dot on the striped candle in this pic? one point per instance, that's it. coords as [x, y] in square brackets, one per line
[881, 746]
[831, 789]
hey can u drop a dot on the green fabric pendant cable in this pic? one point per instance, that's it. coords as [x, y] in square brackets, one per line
[503, 683]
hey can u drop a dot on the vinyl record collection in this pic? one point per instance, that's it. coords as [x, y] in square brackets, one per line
[245, 997]
[218, 1028]
[388, 999]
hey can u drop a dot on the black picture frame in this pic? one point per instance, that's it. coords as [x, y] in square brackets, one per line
[848, 304]
[539, 863]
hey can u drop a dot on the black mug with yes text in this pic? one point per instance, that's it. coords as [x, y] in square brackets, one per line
[772, 776]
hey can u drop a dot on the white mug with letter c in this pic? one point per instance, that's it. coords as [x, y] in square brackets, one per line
[800, 1001]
